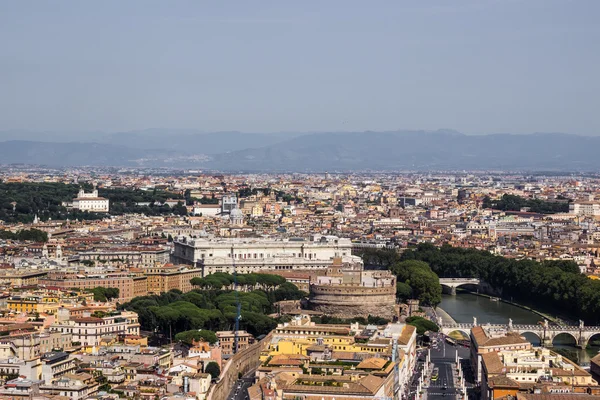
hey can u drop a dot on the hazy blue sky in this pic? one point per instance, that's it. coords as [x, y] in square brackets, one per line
[475, 66]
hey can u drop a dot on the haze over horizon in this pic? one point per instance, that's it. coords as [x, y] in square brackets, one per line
[473, 66]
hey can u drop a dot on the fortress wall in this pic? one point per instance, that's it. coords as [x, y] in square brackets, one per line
[351, 301]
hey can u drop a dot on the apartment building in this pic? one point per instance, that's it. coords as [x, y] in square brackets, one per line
[129, 286]
[358, 361]
[16, 278]
[89, 331]
[32, 304]
[487, 340]
[510, 372]
[227, 341]
[162, 278]
[585, 208]
[139, 255]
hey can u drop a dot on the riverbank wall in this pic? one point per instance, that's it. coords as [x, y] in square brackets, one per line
[490, 292]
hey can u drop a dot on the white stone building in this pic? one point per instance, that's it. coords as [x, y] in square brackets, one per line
[586, 208]
[255, 254]
[90, 330]
[90, 202]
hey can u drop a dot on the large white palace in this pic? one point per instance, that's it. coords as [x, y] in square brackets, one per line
[90, 202]
[255, 254]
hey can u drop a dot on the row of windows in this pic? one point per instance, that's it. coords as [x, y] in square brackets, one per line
[268, 255]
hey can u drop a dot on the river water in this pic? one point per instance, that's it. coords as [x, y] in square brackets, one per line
[464, 306]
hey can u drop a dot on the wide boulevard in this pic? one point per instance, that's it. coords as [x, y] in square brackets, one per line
[443, 357]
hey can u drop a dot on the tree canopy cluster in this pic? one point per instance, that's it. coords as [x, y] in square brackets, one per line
[45, 200]
[211, 309]
[123, 201]
[370, 320]
[34, 235]
[422, 281]
[552, 286]
[105, 294]
[189, 336]
[422, 324]
[511, 202]
[189, 200]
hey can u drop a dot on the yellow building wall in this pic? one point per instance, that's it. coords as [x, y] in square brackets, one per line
[299, 346]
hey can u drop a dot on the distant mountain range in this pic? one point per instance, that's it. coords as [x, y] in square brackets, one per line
[309, 152]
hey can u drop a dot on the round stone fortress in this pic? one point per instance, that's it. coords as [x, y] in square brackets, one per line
[347, 290]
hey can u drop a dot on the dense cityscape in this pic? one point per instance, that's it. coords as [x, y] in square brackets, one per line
[145, 284]
[299, 200]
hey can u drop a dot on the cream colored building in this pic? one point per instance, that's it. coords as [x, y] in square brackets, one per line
[90, 202]
[253, 255]
[90, 330]
[508, 372]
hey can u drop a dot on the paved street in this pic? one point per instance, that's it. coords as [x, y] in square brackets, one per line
[443, 358]
[240, 390]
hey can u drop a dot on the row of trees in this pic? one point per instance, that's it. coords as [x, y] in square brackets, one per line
[189, 200]
[276, 287]
[220, 280]
[511, 202]
[20, 202]
[34, 235]
[211, 308]
[553, 286]
[105, 294]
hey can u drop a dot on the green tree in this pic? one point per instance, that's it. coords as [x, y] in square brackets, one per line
[423, 325]
[105, 294]
[403, 291]
[189, 336]
[424, 283]
[213, 369]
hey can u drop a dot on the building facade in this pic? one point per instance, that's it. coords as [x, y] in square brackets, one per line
[253, 255]
[161, 278]
[89, 331]
[129, 286]
[90, 202]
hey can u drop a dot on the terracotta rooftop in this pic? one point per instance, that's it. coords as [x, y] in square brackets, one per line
[372, 363]
[492, 362]
[407, 333]
[502, 381]
[482, 339]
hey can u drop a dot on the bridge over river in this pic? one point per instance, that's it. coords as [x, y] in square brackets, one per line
[544, 331]
[453, 283]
